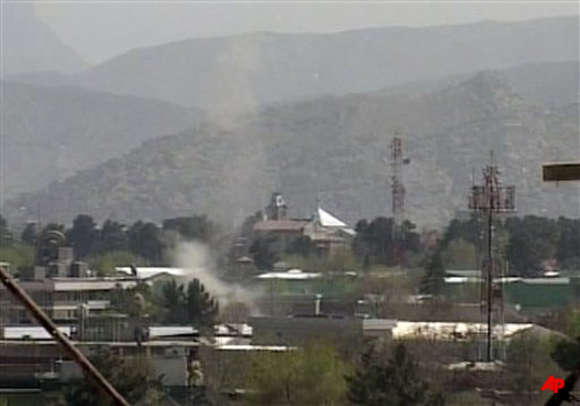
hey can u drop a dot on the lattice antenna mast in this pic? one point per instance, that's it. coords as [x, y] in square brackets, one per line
[398, 201]
[490, 199]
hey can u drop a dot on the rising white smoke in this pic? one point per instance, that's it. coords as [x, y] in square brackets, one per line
[197, 260]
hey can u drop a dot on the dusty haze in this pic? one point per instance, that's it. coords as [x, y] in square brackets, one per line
[197, 258]
[100, 31]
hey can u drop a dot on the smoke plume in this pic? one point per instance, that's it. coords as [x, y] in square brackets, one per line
[197, 260]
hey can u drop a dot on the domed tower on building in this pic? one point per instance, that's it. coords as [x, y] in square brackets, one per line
[277, 208]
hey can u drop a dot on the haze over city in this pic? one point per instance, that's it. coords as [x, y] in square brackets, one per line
[297, 203]
[101, 30]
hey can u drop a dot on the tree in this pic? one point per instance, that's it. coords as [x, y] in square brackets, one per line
[113, 237]
[144, 240]
[469, 230]
[199, 228]
[567, 249]
[434, 281]
[340, 259]
[532, 240]
[303, 246]
[82, 235]
[374, 239]
[20, 256]
[247, 227]
[138, 301]
[313, 375]
[5, 234]
[528, 365]
[460, 254]
[190, 304]
[173, 302]
[566, 354]
[202, 308]
[566, 351]
[262, 253]
[106, 263]
[374, 242]
[412, 238]
[396, 382]
[30, 234]
[132, 378]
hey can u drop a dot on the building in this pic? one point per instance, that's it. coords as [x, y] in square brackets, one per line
[531, 295]
[61, 298]
[326, 231]
[301, 330]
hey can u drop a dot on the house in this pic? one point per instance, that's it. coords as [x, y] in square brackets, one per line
[61, 298]
[326, 231]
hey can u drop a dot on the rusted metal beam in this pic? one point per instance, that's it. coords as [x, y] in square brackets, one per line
[563, 171]
[61, 339]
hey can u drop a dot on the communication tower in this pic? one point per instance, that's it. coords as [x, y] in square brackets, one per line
[491, 199]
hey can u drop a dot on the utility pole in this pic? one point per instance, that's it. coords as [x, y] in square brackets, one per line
[398, 199]
[61, 339]
[489, 199]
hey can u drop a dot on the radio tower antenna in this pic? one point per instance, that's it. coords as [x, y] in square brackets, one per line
[398, 192]
[490, 199]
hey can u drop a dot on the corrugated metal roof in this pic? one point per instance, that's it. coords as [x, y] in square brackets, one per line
[293, 274]
[273, 348]
[466, 273]
[235, 329]
[546, 281]
[31, 332]
[146, 272]
[452, 330]
[171, 331]
[378, 324]
[77, 284]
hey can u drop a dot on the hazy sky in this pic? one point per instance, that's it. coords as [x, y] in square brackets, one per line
[98, 30]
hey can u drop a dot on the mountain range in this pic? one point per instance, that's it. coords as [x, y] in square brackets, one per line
[246, 72]
[49, 134]
[335, 150]
[29, 45]
[310, 115]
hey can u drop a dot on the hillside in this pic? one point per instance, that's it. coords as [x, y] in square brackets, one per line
[30, 45]
[553, 84]
[50, 133]
[334, 149]
[246, 71]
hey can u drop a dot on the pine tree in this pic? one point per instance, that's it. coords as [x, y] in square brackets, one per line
[396, 382]
[83, 235]
[202, 308]
[434, 279]
[173, 300]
